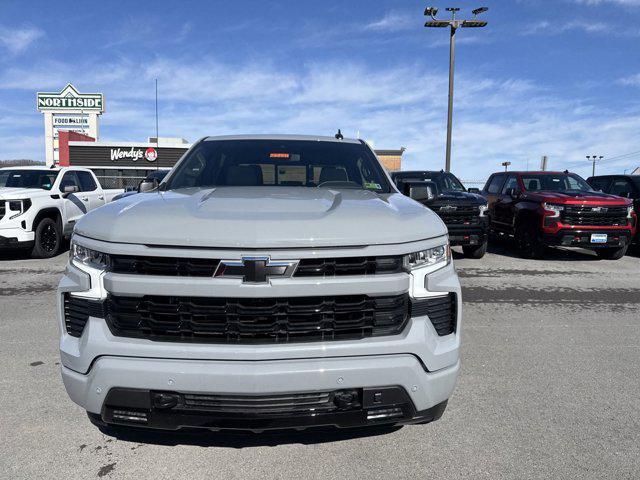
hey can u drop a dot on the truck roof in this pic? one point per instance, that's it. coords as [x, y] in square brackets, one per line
[57, 168]
[313, 138]
[533, 172]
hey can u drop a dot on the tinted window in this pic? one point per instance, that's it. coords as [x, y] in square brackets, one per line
[28, 178]
[601, 184]
[555, 182]
[299, 163]
[494, 183]
[87, 183]
[444, 181]
[621, 187]
[512, 182]
[69, 179]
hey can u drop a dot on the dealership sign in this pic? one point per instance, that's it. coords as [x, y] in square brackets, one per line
[134, 154]
[71, 100]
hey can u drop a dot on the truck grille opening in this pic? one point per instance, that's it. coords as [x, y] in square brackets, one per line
[2, 208]
[204, 267]
[77, 311]
[442, 311]
[462, 215]
[584, 216]
[256, 320]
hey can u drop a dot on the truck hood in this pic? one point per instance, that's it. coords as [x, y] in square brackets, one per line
[14, 193]
[262, 217]
[458, 197]
[579, 198]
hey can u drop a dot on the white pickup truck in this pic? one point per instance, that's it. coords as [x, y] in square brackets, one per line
[39, 206]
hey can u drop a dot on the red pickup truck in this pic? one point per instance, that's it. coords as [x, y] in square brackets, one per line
[542, 209]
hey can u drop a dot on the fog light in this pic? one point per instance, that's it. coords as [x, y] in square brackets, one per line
[384, 413]
[130, 416]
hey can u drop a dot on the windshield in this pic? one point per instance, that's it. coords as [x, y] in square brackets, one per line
[446, 182]
[555, 182]
[285, 163]
[28, 178]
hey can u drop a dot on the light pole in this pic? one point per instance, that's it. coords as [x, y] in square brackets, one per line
[506, 165]
[592, 159]
[453, 25]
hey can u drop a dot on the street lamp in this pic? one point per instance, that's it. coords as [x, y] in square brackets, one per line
[592, 159]
[453, 24]
[506, 165]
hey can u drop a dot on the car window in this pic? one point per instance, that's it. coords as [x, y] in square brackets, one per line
[512, 182]
[69, 179]
[87, 183]
[555, 182]
[601, 184]
[291, 163]
[494, 183]
[43, 179]
[621, 187]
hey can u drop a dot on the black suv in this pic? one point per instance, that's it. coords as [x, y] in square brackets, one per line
[462, 211]
[627, 186]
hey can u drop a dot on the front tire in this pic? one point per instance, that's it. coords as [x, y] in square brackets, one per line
[612, 253]
[475, 251]
[48, 239]
[527, 241]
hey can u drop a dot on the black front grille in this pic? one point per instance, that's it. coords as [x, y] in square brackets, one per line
[329, 267]
[462, 215]
[165, 266]
[3, 206]
[203, 267]
[442, 311]
[289, 404]
[605, 216]
[77, 311]
[256, 320]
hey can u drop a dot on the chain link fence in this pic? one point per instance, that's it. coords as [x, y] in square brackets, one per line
[129, 183]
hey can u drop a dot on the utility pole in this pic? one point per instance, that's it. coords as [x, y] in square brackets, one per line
[453, 25]
[592, 159]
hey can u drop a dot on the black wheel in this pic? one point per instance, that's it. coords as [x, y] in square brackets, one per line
[527, 241]
[612, 253]
[475, 251]
[47, 239]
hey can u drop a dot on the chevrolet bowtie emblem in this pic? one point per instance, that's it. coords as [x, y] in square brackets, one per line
[256, 269]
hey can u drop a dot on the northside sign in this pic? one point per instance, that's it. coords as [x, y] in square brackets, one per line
[70, 99]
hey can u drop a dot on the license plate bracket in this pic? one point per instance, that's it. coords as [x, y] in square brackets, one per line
[599, 238]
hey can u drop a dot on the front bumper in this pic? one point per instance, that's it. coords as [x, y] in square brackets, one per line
[420, 398]
[13, 238]
[467, 234]
[582, 238]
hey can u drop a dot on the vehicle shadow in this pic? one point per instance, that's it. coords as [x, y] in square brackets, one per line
[25, 253]
[203, 438]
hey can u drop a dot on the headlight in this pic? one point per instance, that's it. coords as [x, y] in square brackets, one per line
[18, 207]
[554, 209]
[483, 210]
[436, 258]
[630, 211]
[88, 257]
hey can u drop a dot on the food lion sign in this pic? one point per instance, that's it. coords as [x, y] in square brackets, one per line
[68, 110]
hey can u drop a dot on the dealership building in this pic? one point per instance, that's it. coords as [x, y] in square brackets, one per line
[72, 138]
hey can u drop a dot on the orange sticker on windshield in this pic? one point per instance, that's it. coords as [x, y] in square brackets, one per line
[279, 155]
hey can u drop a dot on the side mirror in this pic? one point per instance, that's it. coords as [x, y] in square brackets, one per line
[148, 185]
[474, 190]
[420, 191]
[69, 189]
[513, 192]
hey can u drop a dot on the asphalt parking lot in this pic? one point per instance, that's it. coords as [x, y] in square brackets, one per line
[549, 389]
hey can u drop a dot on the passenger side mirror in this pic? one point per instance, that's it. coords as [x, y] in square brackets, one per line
[148, 185]
[474, 190]
[513, 192]
[69, 189]
[420, 191]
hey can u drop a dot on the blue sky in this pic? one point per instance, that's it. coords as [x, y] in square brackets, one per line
[560, 77]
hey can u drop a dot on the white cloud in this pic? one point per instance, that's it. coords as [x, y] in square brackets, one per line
[495, 119]
[632, 80]
[556, 28]
[393, 21]
[18, 40]
[625, 3]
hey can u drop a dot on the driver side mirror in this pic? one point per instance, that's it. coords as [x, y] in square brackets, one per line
[69, 189]
[420, 191]
[513, 192]
[148, 185]
[474, 190]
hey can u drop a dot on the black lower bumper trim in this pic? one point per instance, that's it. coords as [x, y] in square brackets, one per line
[176, 411]
[12, 243]
[582, 238]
